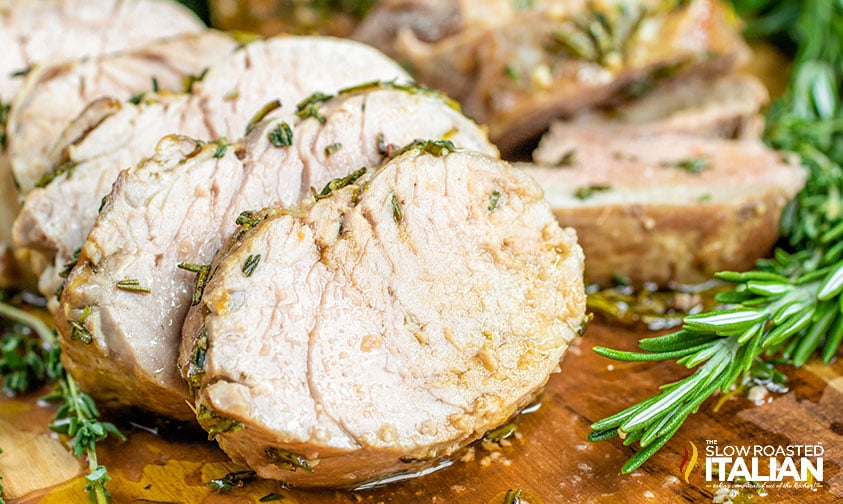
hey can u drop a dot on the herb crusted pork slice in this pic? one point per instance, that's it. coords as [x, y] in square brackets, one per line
[53, 93]
[665, 208]
[382, 326]
[123, 304]
[111, 135]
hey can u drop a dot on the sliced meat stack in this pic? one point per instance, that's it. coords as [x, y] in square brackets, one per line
[54, 93]
[111, 135]
[37, 32]
[381, 326]
[34, 31]
[517, 69]
[123, 304]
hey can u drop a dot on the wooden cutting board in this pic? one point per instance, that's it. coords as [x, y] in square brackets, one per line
[549, 458]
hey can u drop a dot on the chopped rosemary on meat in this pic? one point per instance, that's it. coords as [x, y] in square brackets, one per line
[692, 165]
[222, 145]
[251, 263]
[68, 266]
[339, 183]
[436, 148]
[23, 72]
[231, 481]
[46, 178]
[78, 330]
[281, 136]
[494, 199]
[247, 220]
[287, 459]
[330, 149]
[203, 274]
[261, 114]
[309, 107]
[31, 356]
[4, 117]
[214, 424]
[585, 192]
[196, 368]
[397, 213]
[132, 285]
[790, 307]
[191, 79]
[410, 88]
[135, 99]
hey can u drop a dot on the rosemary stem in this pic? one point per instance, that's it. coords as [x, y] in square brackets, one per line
[48, 338]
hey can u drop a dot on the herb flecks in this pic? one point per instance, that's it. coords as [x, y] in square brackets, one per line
[281, 135]
[232, 480]
[332, 148]
[397, 212]
[78, 331]
[251, 264]
[438, 148]
[132, 285]
[214, 424]
[64, 168]
[261, 114]
[203, 274]
[513, 496]
[309, 107]
[222, 145]
[196, 368]
[339, 183]
[585, 192]
[287, 459]
[494, 200]
[692, 165]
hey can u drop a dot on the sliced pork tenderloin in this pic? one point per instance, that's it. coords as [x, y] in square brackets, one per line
[728, 106]
[667, 208]
[557, 58]
[110, 136]
[37, 31]
[54, 93]
[382, 327]
[178, 206]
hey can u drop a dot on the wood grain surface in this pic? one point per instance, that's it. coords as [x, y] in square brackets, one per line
[549, 458]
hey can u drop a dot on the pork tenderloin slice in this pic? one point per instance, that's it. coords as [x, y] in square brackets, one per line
[669, 208]
[55, 219]
[288, 68]
[520, 75]
[174, 208]
[54, 93]
[33, 31]
[437, 281]
[727, 106]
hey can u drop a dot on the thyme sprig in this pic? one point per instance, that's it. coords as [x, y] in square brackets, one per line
[791, 305]
[30, 357]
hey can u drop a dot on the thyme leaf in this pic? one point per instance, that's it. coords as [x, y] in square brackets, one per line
[30, 356]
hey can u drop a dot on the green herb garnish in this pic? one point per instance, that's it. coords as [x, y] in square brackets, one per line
[790, 307]
[132, 285]
[281, 136]
[585, 192]
[251, 263]
[287, 459]
[30, 356]
[691, 165]
[330, 149]
[494, 199]
[231, 481]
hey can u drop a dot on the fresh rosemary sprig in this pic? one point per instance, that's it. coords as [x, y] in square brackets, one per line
[30, 357]
[791, 305]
